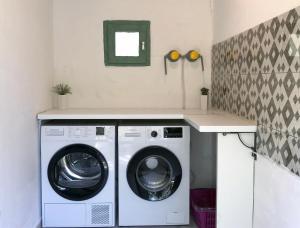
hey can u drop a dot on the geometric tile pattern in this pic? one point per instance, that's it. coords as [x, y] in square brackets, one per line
[256, 74]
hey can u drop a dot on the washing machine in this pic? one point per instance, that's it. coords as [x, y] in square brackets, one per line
[78, 174]
[154, 163]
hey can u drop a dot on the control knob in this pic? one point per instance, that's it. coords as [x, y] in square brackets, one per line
[154, 134]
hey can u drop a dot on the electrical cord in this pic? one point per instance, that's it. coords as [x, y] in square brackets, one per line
[254, 152]
[250, 147]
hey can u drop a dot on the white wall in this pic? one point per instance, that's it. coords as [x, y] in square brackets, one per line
[78, 52]
[277, 196]
[234, 16]
[25, 80]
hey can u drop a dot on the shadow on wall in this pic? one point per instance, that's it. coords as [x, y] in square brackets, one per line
[256, 74]
[203, 159]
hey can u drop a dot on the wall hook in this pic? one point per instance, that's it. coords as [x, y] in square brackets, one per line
[172, 56]
[193, 56]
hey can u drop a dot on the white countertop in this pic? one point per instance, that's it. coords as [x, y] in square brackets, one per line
[211, 121]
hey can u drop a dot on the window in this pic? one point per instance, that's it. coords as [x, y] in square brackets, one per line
[126, 43]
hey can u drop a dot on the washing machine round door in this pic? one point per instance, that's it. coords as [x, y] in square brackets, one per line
[154, 173]
[78, 172]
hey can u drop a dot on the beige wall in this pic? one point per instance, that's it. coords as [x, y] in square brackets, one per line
[25, 80]
[234, 16]
[78, 52]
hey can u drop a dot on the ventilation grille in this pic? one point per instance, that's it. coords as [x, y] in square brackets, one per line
[100, 214]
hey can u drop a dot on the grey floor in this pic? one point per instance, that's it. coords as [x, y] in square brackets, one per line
[192, 225]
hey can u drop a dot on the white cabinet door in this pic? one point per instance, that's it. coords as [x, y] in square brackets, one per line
[234, 181]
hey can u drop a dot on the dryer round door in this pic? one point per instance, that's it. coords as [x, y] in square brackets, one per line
[78, 172]
[154, 173]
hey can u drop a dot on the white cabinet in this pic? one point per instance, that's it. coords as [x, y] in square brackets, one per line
[234, 181]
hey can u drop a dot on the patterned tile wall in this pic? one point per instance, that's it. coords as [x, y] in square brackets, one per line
[256, 74]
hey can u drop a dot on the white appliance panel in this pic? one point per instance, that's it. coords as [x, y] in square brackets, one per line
[98, 211]
[135, 211]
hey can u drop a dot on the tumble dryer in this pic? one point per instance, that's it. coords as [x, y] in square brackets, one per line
[78, 175]
[153, 173]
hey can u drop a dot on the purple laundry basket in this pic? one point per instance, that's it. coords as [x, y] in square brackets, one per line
[203, 207]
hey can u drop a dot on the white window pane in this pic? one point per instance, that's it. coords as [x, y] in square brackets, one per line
[127, 43]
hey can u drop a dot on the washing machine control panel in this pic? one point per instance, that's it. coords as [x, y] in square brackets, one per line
[156, 133]
[173, 132]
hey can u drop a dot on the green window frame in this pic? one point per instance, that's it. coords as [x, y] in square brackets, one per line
[109, 30]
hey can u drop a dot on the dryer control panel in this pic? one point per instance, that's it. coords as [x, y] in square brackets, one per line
[78, 132]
